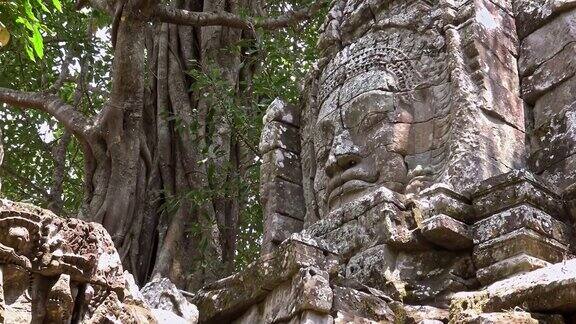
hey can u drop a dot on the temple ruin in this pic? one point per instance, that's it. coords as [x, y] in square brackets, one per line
[427, 176]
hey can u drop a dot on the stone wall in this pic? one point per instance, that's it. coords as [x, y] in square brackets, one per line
[426, 177]
[547, 67]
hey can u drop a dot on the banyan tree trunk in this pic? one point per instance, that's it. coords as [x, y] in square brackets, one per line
[147, 171]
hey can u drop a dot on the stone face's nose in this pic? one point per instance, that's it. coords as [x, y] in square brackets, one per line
[344, 154]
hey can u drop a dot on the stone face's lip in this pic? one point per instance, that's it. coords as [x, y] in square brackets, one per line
[347, 188]
[355, 173]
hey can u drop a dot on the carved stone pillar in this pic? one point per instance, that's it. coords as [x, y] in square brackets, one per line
[547, 31]
[281, 191]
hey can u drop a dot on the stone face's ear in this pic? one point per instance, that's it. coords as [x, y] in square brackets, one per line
[281, 191]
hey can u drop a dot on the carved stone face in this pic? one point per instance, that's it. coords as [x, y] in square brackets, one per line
[383, 105]
[360, 140]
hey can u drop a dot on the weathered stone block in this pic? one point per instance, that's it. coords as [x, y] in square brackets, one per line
[522, 216]
[521, 241]
[492, 27]
[512, 266]
[311, 317]
[389, 200]
[512, 189]
[279, 135]
[283, 197]
[491, 59]
[533, 14]
[281, 111]
[232, 295]
[563, 173]
[569, 196]
[390, 226]
[554, 141]
[280, 163]
[489, 42]
[252, 315]
[345, 318]
[362, 304]
[553, 105]
[549, 289]
[308, 290]
[278, 228]
[416, 314]
[378, 218]
[500, 101]
[515, 317]
[346, 239]
[373, 267]
[439, 199]
[548, 75]
[161, 293]
[446, 232]
[433, 274]
[546, 42]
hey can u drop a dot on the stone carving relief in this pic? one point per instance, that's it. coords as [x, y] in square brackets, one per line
[435, 152]
[374, 98]
[55, 270]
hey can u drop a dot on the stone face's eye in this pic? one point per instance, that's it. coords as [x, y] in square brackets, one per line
[322, 153]
[372, 119]
[323, 138]
[367, 109]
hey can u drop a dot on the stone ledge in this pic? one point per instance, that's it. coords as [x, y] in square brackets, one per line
[517, 242]
[512, 189]
[446, 232]
[440, 199]
[231, 296]
[548, 289]
[515, 265]
[522, 216]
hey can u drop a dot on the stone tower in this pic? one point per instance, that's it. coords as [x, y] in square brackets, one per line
[427, 175]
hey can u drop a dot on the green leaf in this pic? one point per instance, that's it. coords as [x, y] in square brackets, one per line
[42, 6]
[28, 10]
[58, 5]
[29, 52]
[25, 22]
[37, 42]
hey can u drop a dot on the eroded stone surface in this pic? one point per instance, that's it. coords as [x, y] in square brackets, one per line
[550, 289]
[55, 270]
[162, 294]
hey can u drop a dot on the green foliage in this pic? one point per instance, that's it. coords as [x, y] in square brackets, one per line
[29, 136]
[283, 58]
[23, 19]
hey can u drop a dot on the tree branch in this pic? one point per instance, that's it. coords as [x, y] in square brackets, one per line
[193, 18]
[63, 73]
[101, 5]
[25, 182]
[49, 103]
